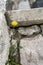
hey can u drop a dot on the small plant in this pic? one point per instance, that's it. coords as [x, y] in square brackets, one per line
[12, 58]
[20, 47]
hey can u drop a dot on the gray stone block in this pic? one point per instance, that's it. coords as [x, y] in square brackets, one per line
[29, 30]
[32, 51]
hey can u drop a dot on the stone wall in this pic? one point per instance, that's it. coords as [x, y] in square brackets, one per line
[31, 38]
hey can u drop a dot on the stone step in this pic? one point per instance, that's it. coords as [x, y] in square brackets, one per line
[27, 17]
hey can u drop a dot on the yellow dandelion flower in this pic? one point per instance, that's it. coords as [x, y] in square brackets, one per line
[14, 23]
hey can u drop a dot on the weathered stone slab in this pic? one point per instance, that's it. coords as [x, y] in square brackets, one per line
[27, 17]
[29, 30]
[4, 40]
[32, 51]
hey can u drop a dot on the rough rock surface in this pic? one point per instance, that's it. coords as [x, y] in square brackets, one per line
[33, 16]
[4, 40]
[2, 5]
[29, 30]
[4, 35]
[32, 51]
